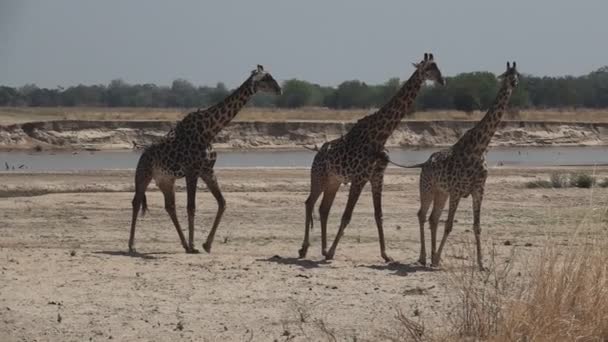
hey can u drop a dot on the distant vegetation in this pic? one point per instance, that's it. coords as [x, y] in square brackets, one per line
[465, 92]
[564, 180]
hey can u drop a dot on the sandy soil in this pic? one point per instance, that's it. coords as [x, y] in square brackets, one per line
[65, 274]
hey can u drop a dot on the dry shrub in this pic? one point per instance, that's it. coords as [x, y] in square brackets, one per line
[563, 298]
[478, 297]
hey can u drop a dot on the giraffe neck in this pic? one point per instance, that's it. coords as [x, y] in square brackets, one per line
[218, 116]
[379, 126]
[478, 138]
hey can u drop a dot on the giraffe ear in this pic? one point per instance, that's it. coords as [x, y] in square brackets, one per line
[260, 67]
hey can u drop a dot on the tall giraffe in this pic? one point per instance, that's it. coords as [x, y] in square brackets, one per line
[461, 171]
[187, 152]
[359, 157]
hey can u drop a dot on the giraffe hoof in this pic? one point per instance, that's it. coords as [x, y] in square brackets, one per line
[192, 251]
[303, 251]
[207, 247]
[387, 258]
[132, 250]
[422, 261]
[329, 256]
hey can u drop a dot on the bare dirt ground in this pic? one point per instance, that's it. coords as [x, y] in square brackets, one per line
[65, 274]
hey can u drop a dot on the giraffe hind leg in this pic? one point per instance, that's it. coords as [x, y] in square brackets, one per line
[316, 189]
[142, 179]
[426, 199]
[328, 199]
[353, 197]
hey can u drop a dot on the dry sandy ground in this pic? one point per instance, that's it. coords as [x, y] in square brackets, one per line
[65, 274]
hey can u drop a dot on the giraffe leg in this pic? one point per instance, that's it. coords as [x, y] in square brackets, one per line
[316, 189]
[191, 181]
[449, 223]
[353, 197]
[213, 186]
[167, 187]
[377, 183]
[328, 199]
[438, 204]
[477, 199]
[426, 198]
[142, 180]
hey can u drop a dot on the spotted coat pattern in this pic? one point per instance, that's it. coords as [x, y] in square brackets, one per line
[359, 157]
[187, 151]
[461, 171]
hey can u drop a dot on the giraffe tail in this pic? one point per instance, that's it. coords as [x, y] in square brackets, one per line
[143, 176]
[314, 149]
[144, 205]
[408, 166]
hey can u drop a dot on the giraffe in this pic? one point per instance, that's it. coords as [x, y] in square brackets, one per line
[186, 151]
[461, 171]
[359, 157]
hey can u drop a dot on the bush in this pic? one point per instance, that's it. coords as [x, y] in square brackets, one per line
[559, 180]
[582, 180]
[539, 183]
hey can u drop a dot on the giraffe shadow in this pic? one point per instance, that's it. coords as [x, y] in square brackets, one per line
[400, 269]
[146, 256]
[295, 261]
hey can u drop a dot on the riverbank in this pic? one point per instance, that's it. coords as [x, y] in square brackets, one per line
[116, 135]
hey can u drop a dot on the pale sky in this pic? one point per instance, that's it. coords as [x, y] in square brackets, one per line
[68, 42]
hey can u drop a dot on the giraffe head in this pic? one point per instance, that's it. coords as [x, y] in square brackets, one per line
[510, 78]
[429, 70]
[263, 81]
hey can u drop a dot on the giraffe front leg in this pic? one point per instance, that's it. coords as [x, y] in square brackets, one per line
[377, 183]
[353, 197]
[213, 186]
[477, 199]
[191, 182]
[167, 188]
[425, 202]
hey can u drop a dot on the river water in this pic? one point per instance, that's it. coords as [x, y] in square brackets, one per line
[109, 160]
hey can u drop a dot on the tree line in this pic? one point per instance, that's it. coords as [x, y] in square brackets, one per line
[465, 91]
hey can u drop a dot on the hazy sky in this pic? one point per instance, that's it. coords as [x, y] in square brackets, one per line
[67, 42]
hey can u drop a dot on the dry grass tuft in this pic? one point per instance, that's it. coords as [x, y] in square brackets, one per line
[567, 297]
[478, 298]
[563, 295]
